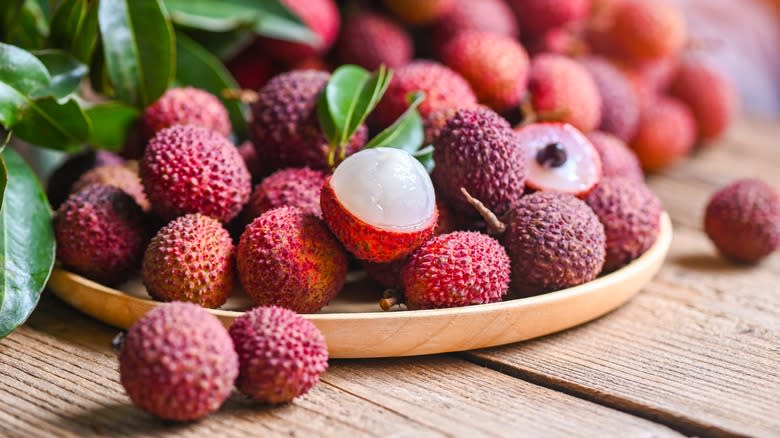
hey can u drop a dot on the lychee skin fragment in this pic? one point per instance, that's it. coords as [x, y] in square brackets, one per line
[288, 258]
[100, 233]
[287, 187]
[178, 362]
[190, 259]
[186, 106]
[617, 159]
[743, 220]
[189, 169]
[281, 355]
[555, 241]
[631, 215]
[457, 269]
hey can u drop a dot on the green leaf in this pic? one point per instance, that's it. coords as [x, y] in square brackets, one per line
[280, 23]
[66, 24]
[86, 40]
[327, 125]
[27, 246]
[139, 49]
[343, 93]
[197, 67]
[425, 157]
[406, 132]
[66, 73]
[110, 123]
[28, 25]
[224, 45]
[21, 74]
[45, 122]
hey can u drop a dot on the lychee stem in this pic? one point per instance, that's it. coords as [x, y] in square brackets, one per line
[495, 226]
[390, 298]
[245, 96]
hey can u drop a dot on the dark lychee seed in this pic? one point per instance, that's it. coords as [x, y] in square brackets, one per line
[552, 155]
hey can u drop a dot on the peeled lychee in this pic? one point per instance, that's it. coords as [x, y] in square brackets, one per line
[457, 269]
[496, 66]
[285, 129]
[288, 258]
[100, 233]
[419, 12]
[619, 101]
[643, 30]
[631, 215]
[189, 169]
[559, 158]
[667, 132]
[562, 90]
[281, 355]
[478, 150]
[178, 362]
[370, 40]
[287, 187]
[186, 106]
[484, 15]
[389, 213]
[117, 175]
[743, 220]
[319, 16]
[190, 259]
[710, 96]
[443, 88]
[61, 180]
[537, 16]
[617, 159]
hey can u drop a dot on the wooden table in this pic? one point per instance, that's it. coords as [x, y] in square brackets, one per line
[696, 353]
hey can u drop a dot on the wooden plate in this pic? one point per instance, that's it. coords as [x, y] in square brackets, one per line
[355, 327]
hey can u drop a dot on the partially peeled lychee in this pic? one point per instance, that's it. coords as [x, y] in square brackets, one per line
[380, 204]
[559, 158]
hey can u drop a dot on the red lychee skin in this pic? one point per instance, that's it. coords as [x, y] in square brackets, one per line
[288, 258]
[61, 180]
[643, 30]
[416, 12]
[365, 241]
[186, 106]
[321, 17]
[443, 89]
[537, 16]
[710, 96]
[370, 40]
[435, 122]
[100, 233]
[617, 159]
[251, 67]
[281, 355]
[619, 102]
[189, 169]
[562, 90]
[631, 215]
[457, 269]
[294, 187]
[667, 132]
[485, 16]
[560, 41]
[477, 150]
[285, 129]
[178, 362]
[743, 220]
[190, 259]
[496, 66]
[555, 241]
[117, 175]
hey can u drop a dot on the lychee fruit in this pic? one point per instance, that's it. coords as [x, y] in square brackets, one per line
[370, 40]
[743, 220]
[61, 180]
[389, 213]
[496, 66]
[457, 269]
[419, 12]
[619, 101]
[321, 17]
[485, 15]
[281, 355]
[186, 106]
[646, 30]
[710, 96]
[559, 40]
[478, 150]
[666, 133]
[190, 169]
[100, 233]
[117, 175]
[288, 258]
[190, 259]
[178, 362]
[295, 187]
[443, 88]
[559, 158]
[537, 16]
[631, 215]
[434, 122]
[250, 67]
[285, 129]
[562, 90]
[617, 159]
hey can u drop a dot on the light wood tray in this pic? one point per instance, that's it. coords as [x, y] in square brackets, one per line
[355, 327]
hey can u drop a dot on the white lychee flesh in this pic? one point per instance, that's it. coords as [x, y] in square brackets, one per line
[386, 188]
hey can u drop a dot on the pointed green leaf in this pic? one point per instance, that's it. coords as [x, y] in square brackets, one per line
[111, 122]
[66, 23]
[66, 73]
[425, 157]
[28, 27]
[45, 122]
[86, 41]
[343, 93]
[279, 22]
[370, 95]
[327, 125]
[21, 74]
[27, 246]
[406, 132]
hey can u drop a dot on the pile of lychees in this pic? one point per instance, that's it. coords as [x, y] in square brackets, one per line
[537, 184]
